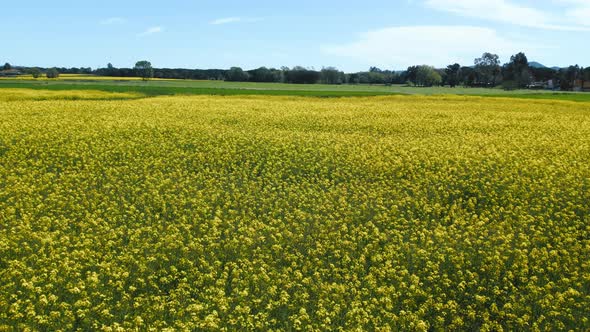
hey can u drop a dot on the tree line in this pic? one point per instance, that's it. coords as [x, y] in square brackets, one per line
[486, 71]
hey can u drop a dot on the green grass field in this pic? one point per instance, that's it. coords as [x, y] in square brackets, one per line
[191, 87]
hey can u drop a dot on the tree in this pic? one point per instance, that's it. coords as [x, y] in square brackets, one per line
[331, 75]
[411, 74]
[144, 70]
[376, 77]
[111, 70]
[488, 69]
[542, 74]
[36, 72]
[278, 75]
[52, 73]
[391, 77]
[301, 75]
[353, 79]
[585, 76]
[236, 74]
[568, 77]
[7, 66]
[427, 76]
[518, 71]
[262, 74]
[453, 75]
[468, 76]
[582, 78]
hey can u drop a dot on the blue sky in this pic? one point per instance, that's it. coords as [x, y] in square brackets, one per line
[351, 35]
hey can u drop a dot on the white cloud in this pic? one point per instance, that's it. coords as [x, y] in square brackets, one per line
[580, 15]
[400, 47]
[578, 11]
[508, 12]
[113, 20]
[228, 20]
[151, 31]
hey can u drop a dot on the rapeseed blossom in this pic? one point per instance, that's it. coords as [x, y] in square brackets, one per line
[278, 213]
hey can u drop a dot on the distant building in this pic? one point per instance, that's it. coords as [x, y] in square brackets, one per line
[9, 73]
[580, 85]
[538, 85]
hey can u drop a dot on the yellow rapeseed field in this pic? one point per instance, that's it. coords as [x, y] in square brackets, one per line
[79, 77]
[33, 94]
[289, 213]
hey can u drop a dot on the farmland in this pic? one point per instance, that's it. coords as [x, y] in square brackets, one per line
[158, 87]
[124, 210]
